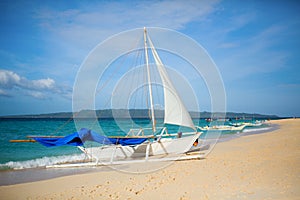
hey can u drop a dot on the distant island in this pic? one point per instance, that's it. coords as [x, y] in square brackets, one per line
[138, 113]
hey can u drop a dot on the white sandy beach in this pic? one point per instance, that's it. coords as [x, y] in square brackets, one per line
[262, 166]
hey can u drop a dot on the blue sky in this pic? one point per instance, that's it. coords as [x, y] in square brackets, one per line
[255, 45]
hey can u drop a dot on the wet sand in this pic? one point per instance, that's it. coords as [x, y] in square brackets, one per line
[260, 166]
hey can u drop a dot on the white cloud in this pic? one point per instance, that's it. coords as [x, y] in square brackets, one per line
[172, 14]
[40, 88]
[4, 93]
[36, 94]
[88, 25]
[8, 79]
[43, 84]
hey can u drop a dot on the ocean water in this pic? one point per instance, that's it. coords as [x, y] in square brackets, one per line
[34, 155]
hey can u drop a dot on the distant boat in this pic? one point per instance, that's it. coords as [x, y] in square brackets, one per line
[223, 128]
[222, 120]
[237, 124]
[251, 124]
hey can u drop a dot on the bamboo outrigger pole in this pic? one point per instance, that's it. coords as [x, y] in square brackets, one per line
[33, 136]
[30, 140]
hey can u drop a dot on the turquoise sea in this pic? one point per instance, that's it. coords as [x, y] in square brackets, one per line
[15, 156]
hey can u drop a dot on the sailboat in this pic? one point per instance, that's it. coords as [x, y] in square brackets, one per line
[136, 145]
[223, 128]
[163, 143]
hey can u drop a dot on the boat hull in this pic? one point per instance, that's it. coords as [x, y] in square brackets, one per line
[223, 128]
[142, 151]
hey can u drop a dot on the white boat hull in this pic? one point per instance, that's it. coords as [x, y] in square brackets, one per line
[223, 128]
[164, 146]
[253, 124]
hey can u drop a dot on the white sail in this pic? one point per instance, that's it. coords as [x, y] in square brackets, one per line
[175, 111]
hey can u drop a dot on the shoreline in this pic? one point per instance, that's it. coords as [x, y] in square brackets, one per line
[256, 166]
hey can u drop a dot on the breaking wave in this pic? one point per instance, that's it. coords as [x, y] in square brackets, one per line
[256, 129]
[42, 162]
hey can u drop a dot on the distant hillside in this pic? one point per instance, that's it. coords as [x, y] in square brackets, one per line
[138, 113]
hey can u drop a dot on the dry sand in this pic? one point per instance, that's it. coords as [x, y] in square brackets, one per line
[263, 166]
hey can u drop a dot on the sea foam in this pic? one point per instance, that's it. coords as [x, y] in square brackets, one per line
[256, 129]
[42, 162]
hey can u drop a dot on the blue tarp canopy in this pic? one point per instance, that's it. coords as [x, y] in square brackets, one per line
[127, 141]
[80, 137]
[72, 140]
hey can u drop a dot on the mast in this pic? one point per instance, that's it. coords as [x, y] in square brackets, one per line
[149, 80]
